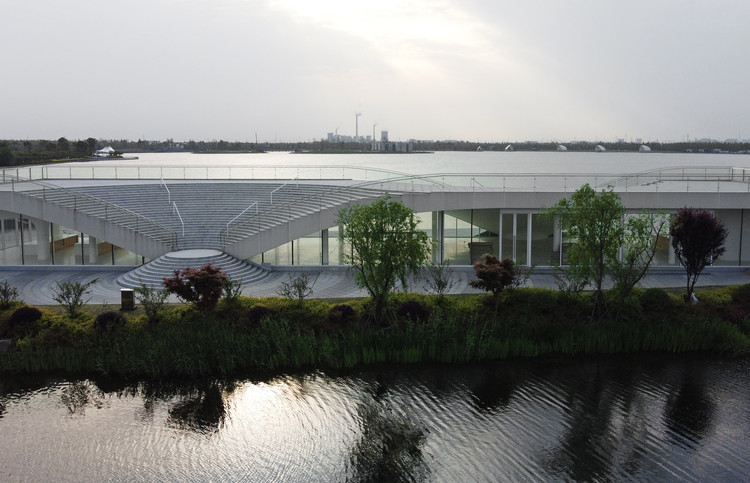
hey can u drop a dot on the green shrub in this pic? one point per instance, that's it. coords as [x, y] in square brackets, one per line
[741, 294]
[716, 297]
[413, 310]
[24, 318]
[535, 301]
[257, 313]
[108, 320]
[656, 300]
[342, 314]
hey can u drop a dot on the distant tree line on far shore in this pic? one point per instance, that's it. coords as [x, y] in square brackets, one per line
[22, 152]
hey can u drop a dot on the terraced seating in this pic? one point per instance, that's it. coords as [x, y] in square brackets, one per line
[205, 209]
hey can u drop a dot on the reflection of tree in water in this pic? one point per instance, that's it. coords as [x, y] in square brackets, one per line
[592, 443]
[200, 407]
[202, 411]
[390, 445]
[494, 390]
[689, 412]
[80, 394]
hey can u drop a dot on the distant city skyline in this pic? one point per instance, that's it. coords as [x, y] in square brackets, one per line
[294, 70]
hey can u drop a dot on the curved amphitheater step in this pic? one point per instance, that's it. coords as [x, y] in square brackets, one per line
[156, 270]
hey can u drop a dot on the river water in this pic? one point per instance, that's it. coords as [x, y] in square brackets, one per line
[649, 418]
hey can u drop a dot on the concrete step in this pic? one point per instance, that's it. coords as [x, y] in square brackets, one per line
[154, 272]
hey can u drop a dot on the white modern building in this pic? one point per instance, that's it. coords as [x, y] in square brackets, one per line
[132, 215]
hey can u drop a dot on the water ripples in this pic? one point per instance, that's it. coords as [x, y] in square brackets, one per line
[624, 418]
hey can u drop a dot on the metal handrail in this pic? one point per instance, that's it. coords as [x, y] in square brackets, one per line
[683, 173]
[169, 194]
[158, 232]
[242, 213]
[110, 171]
[277, 189]
[224, 235]
[175, 210]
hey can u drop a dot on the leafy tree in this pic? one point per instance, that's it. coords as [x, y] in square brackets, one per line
[386, 247]
[202, 287]
[698, 239]
[640, 241]
[63, 144]
[81, 147]
[70, 295]
[7, 158]
[594, 221]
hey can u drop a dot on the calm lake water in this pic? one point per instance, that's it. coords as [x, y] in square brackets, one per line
[449, 161]
[650, 418]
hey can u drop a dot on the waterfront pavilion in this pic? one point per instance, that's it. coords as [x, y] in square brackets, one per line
[252, 220]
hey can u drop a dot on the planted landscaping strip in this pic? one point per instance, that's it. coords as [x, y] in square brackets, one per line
[278, 334]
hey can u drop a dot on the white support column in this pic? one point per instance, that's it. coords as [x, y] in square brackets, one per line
[529, 219]
[2, 229]
[93, 250]
[499, 234]
[341, 244]
[324, 246]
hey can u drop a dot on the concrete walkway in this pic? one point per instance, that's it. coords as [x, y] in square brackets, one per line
[35, 283]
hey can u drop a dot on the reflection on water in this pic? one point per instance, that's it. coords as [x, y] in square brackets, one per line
[389, 447]
[646, 418]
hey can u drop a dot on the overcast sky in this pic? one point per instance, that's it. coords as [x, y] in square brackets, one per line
[293, 70]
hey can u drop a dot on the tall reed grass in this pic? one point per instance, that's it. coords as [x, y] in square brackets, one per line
[461, 329]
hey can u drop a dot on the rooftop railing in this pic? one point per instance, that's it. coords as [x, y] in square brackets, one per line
[498, 181]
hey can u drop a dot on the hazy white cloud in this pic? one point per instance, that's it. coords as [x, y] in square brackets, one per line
[296, 69]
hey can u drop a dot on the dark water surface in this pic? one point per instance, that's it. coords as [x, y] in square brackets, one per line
[651, 418]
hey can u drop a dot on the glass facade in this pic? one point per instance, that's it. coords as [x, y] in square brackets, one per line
[461, 236]
[26, 241]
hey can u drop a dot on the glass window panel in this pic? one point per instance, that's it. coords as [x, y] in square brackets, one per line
[543, 250]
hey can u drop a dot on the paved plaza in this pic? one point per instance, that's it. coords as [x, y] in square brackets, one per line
[35, 282]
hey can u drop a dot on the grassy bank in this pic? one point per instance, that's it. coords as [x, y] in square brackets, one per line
[275, 333]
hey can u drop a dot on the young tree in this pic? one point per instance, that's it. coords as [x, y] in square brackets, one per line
[439, 279]
[297, 288]
[386, 247]
[495, 275]
[640, 241]
[8, 295]
[70, 295]
[202, 287]
[698, 239]
[594, 221]
[152, 300]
